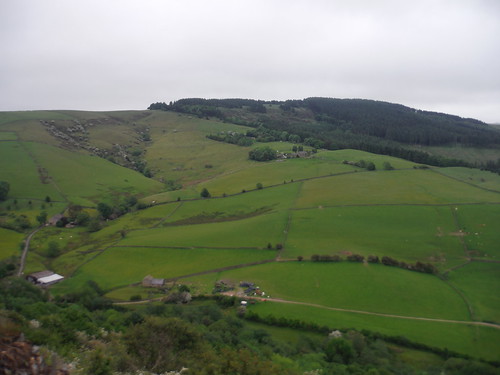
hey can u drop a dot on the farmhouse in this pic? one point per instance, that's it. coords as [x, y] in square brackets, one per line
[44, 278]
[151, 282]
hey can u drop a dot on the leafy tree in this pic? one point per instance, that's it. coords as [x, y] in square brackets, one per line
[47, 199]
[4, 190]
[370, 166]
[53, 250]
[42, 218]
[82, 218]
[388, 166]
[205, 193]
[105, 210]
[94, 225]
[259, 185]
[339, 350]
[160, 344]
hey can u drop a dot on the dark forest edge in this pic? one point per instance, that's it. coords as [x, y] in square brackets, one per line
[367, 125]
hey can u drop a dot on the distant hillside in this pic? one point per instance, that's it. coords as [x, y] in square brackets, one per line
[369, 125]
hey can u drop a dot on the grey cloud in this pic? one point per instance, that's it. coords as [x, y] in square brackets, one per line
[435, 55]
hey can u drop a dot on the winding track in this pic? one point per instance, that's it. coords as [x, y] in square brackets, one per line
[25, 250]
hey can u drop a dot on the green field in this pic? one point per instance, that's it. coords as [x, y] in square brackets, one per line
[10, 243]
[481, 226]
[481, 342]
[408, 233]
[331, 285]
[85, 178]
[23, 175]
[254, 232]
[477, 177]
[120, 266]
[8, 136]
[480, 282]
[449, 217]
[390, 187]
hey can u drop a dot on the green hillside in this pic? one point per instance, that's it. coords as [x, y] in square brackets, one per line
[399, 247]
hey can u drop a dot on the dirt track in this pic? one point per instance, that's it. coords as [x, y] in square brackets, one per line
[497, 326]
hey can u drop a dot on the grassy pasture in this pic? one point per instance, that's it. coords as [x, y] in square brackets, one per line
[17, 167]
[470, 154]
[278, 198]
[141, 219]
[356, 155]
[120, 266]
[373, 288]
[481, 342]
[10, 243]
[390, 187]
[85, 178]
[8, 136]
[480, 282]
[255, 231]
[273, 173]
[408, 233]
[482, 179]
[20, 116]
[30, 211]
[481, 225]
[181, 151]
[124, 294]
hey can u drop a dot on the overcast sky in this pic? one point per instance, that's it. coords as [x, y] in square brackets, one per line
[440, 55]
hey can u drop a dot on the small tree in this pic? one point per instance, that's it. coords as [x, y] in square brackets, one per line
[205, 193]
[47, 199]
[105, 210]
[4, 190]
[53, 249]
[388, 166]
[259, 185]
[300, 258]
[42, 218]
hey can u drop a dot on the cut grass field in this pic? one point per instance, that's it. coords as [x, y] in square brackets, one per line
[480, 283]
[407, 233]
[480, 342]
[242, 205]
[253, 232]
[377, 288]
[390, 187]
[477, 177]
[120, 266]
[273, 173]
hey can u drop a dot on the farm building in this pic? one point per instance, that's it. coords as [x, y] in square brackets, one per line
[44, 278]
[151, 282]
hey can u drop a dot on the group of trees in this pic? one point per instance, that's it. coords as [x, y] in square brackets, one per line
[205, 338]
[373, 126]
[232, 138]
[265, 153]
[386, 261]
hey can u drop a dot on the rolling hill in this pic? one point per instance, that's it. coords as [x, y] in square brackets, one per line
[404, 248]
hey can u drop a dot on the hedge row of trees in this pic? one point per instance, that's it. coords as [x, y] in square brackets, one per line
[386, 261]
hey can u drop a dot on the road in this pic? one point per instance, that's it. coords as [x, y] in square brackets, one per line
[25, 251]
